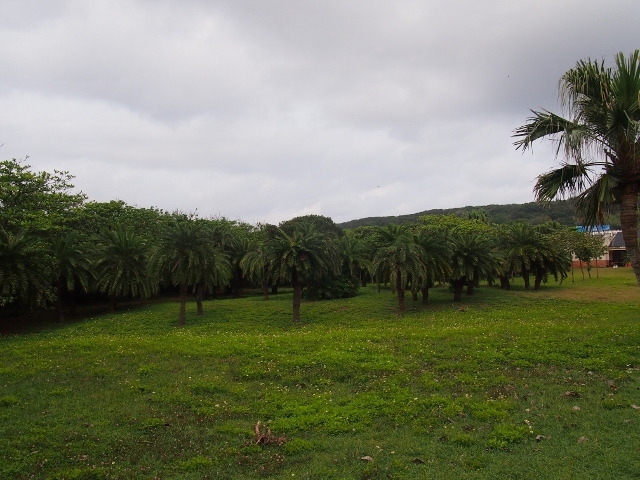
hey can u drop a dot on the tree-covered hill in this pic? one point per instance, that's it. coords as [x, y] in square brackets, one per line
[562, 211]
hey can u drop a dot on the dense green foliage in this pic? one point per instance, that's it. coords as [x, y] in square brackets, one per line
[35, 202]
[517, 384]
[119, 252]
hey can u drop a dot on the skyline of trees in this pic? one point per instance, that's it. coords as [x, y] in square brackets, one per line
[123, 252]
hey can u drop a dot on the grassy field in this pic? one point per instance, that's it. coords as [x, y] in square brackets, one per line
[505, 385]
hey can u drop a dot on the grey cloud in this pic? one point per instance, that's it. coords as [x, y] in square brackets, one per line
[263, 110]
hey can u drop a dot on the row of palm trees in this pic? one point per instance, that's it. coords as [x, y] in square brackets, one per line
[416, 258]
[203, 256]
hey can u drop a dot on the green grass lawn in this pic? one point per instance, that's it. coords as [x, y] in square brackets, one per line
[505, 385]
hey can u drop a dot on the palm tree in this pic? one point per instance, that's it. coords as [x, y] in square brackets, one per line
[600, 143]
[534, 250]
[214, 271]
[121, 265]
[520, 247]
[553, 257]
[398, 254]
[186, 256]
[23, 273]
[237, 249]
[257, 262]
[302, 256]
[436, 256]
[71, 266]
[354, 256]
[472, 259]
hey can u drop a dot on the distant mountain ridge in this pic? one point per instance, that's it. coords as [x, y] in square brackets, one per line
[561, 211]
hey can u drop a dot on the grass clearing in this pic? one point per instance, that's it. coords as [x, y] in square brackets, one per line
[511, 384]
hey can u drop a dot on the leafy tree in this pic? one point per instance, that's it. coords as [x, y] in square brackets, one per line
[35, 202]
[476, 223]
[398, 254]
[92, 218]
[587, 247]
[121, 265]
[303, 255]
[71, 266]
[599, 140]
[23, 273]
[321, 223]
[478, 214]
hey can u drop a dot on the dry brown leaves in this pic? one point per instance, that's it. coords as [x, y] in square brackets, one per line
[266, 437]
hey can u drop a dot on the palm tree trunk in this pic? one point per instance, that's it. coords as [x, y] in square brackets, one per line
[199, 295]
[470, 285]
[539, 276]
[504, 282]
[414, 295]
[401, 302]
[525, 277]
[265, 290]
[629, 223]
[274, 289]
[183, 304]
[458, 285]
[425, 296]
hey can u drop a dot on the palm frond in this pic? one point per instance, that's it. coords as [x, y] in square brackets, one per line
[570, 135]
[563, 181]
[596, 201]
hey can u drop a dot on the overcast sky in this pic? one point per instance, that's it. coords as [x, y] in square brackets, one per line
[264, 110]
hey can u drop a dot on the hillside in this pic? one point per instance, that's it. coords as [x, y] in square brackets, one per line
[561, 211]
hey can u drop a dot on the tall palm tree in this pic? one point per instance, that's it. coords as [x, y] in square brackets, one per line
[302, 256]
[23, 272]
[122, 267]
[472, 259]
[599, 141]
[398, 254]
[71, 266]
